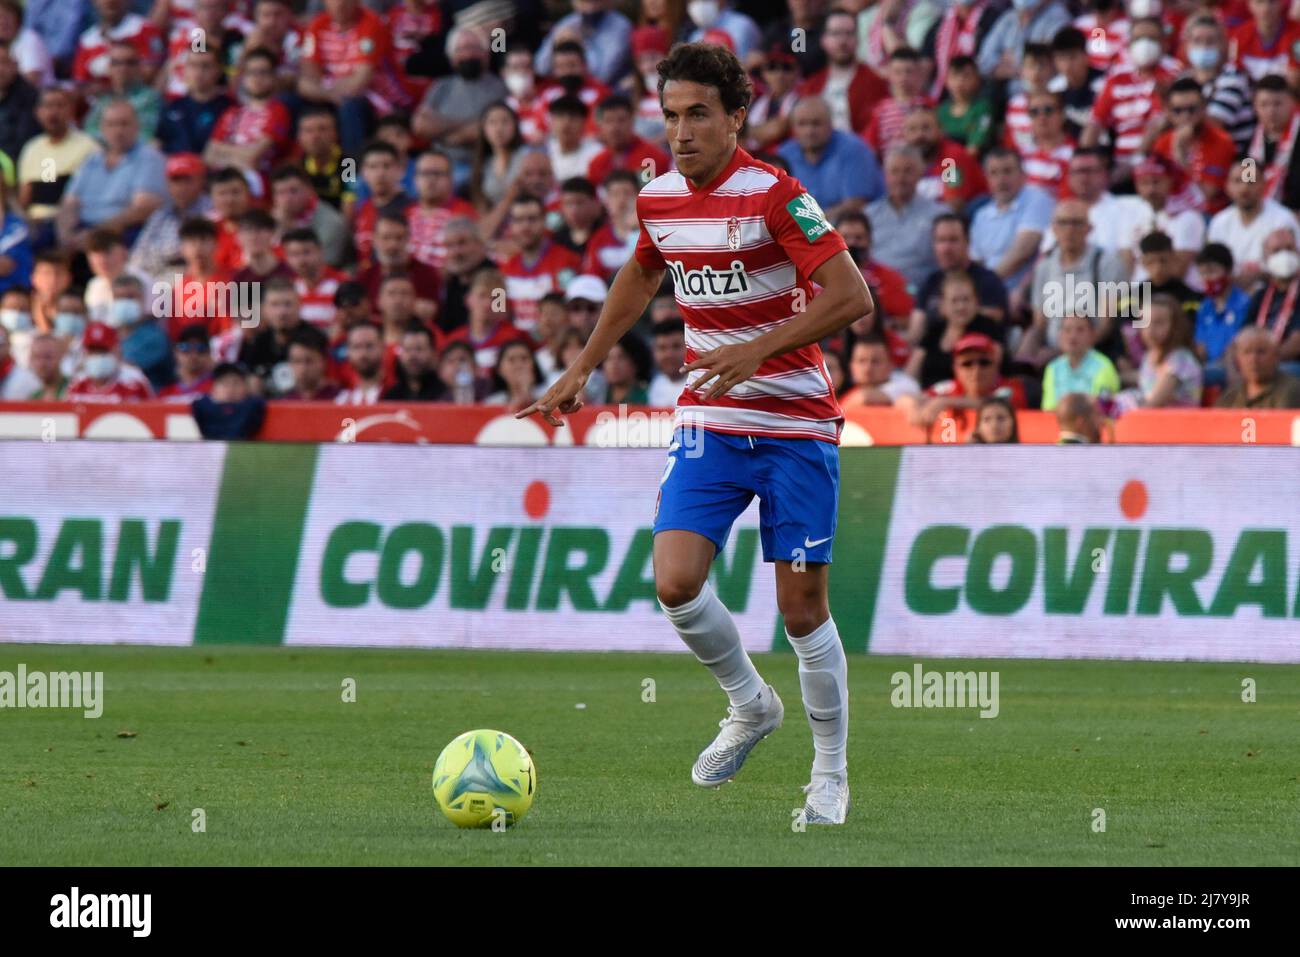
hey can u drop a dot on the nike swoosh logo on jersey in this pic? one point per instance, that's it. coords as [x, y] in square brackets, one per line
[660, 237]
[809, 543]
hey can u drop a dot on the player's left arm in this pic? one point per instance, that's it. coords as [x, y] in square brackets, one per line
[843, 300]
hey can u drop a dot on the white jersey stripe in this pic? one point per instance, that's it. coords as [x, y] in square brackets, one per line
[806, 383]
[752, 421]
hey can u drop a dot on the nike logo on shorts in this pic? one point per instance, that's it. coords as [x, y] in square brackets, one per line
[809, 543]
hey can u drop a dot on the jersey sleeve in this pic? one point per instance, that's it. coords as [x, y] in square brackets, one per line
[798, 225]
[647, 253]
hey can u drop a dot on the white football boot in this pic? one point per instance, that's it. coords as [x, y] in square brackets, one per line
[828, 801]
[741, 730]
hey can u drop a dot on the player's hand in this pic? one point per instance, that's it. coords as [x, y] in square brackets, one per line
[726, 366]
[565, 397]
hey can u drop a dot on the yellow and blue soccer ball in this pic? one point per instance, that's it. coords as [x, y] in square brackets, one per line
[484, 776]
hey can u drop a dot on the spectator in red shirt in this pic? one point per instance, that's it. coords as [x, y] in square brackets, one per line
[1267, 42]
[198, 239]
[570, 78]
[540, 266]
[381, 168]
[114, 21]
[104, 376]
[888, 288]
[231, 198]
[193, 354]
[975, 378]
[851, 89]
[1047, 160]
[952, 174]
[615, 240]
[315, 282]
[489, 326]
[393, 255]
[1196, 143]
[256, 133]
[435, 205]
[257, 241]
[346, 62]
[906, 85]
[623, 149]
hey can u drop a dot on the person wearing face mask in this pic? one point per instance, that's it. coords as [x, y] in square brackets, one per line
[1131, 97]
[717, 15]
[104, 377]
[17, 383]
[1276, 306]
[144, 342]
[1026, 21]
[1226, 88]
[603, 32]
[451, 110]
[1268, 41]
[16, 320]
[1245, 225]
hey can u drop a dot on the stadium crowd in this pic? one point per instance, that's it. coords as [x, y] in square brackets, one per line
[425, 200]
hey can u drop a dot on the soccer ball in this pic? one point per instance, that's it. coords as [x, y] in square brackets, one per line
[484, 776]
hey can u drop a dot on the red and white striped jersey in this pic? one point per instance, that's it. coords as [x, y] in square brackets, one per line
[1127, 101]
[1047, 169]
[1107, 43]
[316, 302]
[741, 251]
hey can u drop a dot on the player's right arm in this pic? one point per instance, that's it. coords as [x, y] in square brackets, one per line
[628, 297]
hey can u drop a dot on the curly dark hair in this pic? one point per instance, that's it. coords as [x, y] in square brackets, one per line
[709, 65]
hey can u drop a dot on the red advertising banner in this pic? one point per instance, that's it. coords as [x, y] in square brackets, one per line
[603, 426]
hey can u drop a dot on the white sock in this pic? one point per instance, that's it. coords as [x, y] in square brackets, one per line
[709, 630]
[824, 680]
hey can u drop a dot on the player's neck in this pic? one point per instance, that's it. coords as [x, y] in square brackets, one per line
[712, 174]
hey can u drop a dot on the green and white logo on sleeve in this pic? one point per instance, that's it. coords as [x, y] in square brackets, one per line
[809, 216]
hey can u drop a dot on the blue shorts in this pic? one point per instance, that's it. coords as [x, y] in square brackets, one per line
[706, 486]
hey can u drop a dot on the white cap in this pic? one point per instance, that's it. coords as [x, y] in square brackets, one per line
[587, 287]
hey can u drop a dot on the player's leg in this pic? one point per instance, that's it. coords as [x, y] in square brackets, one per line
[800, 493]
[701, 493]
[801, 594]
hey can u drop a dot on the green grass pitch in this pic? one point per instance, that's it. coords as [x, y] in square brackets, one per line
[287, 773]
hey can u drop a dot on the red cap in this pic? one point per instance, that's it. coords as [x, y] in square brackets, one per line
[1153, 165]
[719, 38]
[185, 164]
[974, 342]
[649, 40]
[780, 53]
[99, 336]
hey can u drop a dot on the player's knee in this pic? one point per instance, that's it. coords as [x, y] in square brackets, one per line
[676, 590]
[803, 612]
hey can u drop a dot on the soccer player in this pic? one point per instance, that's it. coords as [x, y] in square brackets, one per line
[744, 243]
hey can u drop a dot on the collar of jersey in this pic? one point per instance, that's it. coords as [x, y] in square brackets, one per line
[738, 159]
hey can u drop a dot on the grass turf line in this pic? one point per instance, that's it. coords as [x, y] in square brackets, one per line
[289, 774]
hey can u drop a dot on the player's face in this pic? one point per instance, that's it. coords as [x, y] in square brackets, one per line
[701, 133]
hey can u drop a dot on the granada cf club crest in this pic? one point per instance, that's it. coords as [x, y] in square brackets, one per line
[733, 233]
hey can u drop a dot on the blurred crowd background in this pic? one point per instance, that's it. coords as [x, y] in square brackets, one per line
[1087, 207]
